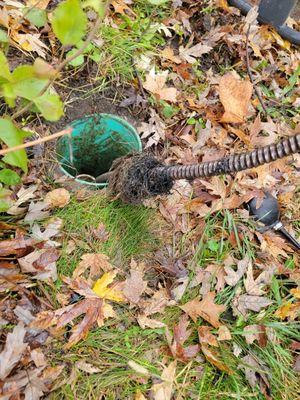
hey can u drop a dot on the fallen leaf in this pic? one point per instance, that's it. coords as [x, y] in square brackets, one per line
[168, 54]
[224, 333]
[95, 263]
[247, 302]
[95, 310]
[102, 289]
[100, 233]
[289, 310]
[164, 390]
[181, 334]
[205, 309]
[87, 367]
[121, 7]
[149, 322]
[30, 42]
[233, 276]
[134, 286]
[41, 4]
[190, 54]
[156, 84]
[13, 350]
[205, 336]
[154, 130]
[212, 356]
[42, 263]
[255, 287]
[235, 96]
[255, 332]
[138, 368]
[157, 303]
[253, 371]
[17, 246]
[295, 292]
[36, 212]
[52, 229]
[57, 198]
[38, 357]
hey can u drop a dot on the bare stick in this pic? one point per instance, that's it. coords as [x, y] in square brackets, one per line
[257, 90]
[64, 63]
[66, 131]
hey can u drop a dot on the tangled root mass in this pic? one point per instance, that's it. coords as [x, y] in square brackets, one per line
[134, 178]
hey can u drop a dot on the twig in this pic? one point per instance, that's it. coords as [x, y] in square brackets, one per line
[257, 90]
[64, 63]
[66, 131]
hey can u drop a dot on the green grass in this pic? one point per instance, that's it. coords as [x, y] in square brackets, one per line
[133, 230]
[121, 339]
[131, 36]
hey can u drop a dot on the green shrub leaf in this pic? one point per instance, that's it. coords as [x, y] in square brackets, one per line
[4, 68]
[78, 60]
[69, 22]
[3, 36]
[9, 177]
[50, 106]
[13, 136]
[36, 16]
[98, 5]
[3, 206]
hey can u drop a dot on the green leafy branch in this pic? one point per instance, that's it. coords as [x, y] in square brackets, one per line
[33, 84]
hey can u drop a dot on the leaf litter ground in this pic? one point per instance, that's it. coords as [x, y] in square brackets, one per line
[182, 298]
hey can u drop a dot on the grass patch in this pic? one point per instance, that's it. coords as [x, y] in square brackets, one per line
[132, 36]
[111, 347]
[133, 231]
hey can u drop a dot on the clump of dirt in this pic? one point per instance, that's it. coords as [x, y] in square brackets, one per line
[133, 178]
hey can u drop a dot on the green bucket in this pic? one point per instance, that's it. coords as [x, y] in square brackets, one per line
[96, 141]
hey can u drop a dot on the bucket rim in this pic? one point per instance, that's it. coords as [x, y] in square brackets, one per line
[106, 115]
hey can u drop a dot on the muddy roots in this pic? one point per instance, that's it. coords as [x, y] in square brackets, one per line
[133, 178]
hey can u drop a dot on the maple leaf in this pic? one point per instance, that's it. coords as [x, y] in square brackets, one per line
[102, 289]
[156, 84]
[94, 307]
[164, 390]
[205, 309]
[235, 95]
[181, 334]
[95, 262]
[13, 350]
[134, 285]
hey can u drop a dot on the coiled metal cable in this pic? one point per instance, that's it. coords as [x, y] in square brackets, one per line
[234, 162]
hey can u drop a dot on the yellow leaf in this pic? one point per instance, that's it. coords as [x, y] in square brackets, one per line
[296, 292]
[102, 290]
